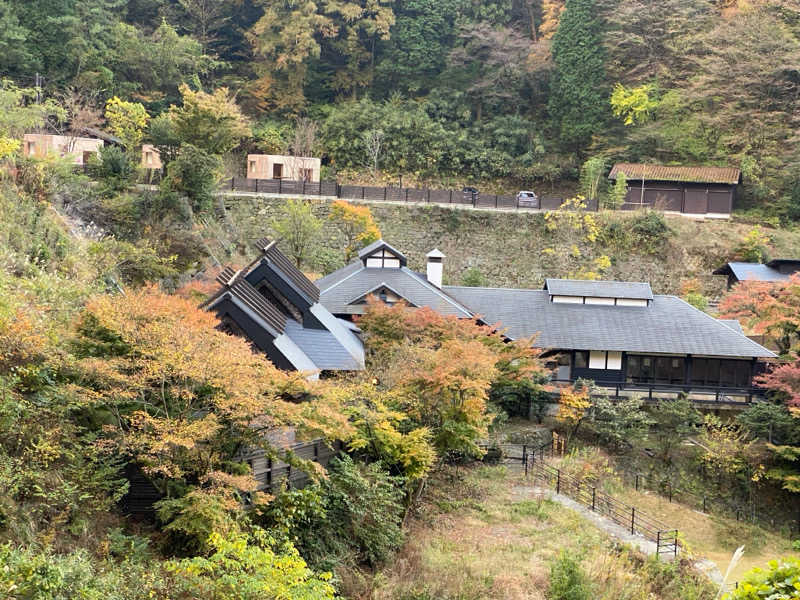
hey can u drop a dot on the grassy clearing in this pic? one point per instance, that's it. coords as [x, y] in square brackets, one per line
[480, 534]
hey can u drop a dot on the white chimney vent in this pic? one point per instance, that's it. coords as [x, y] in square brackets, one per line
[435, 267]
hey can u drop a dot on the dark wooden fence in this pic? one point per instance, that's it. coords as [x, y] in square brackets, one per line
[389, 194]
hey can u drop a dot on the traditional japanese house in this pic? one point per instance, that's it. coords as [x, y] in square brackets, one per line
[618, 334]
[701, 192]
[275, 306]
[779, 269]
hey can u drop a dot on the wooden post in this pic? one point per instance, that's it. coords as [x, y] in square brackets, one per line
[385, 192]
[363, 192]
[429, 196]
[406, 194]
[451, 196]
[594, 494]
[658, 545]
[633, 520]
[637, 482]
[558, 483]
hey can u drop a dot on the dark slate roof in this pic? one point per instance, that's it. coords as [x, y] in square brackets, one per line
[744, 271]
[377, 245]
[304, 284]
[729, 175]
[348, 284]
[235, 284]
[599, 289]
[668, 325]
[322, 347]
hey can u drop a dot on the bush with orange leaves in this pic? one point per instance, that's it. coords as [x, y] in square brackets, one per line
[182, 397]
[447, 369]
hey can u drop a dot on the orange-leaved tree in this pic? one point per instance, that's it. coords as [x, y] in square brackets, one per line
[768, 308]
[446, 367]
[356, 224]
[180, 398]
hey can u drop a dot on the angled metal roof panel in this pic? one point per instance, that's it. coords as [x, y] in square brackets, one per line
[271, 252]
[322, 348]
[599, 289]
[667, 326]
[727, 175]
[755, 272]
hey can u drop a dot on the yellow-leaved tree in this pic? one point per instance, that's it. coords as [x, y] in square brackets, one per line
[127, 121]
[356, 224]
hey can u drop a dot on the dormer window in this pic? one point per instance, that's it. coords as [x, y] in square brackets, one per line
[383, 259]
[601, 293]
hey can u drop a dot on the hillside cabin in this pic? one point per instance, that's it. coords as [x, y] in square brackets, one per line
[151, 158]
[697, 192]
[276, 307]
[618, 334]
[79, 149]
[292, 168]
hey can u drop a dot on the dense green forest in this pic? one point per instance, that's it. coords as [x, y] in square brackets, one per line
[522, 91]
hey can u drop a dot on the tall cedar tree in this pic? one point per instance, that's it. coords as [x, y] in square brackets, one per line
[578, 102]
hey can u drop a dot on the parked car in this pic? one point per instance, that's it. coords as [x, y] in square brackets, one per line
[528, 199]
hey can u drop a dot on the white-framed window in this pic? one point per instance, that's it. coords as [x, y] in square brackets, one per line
[599, 359]
[383, 259]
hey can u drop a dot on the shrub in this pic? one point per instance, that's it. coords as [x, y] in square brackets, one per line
[650, 228]
[780, 580]
[568, 580]
[194, 173]
[473, 277]
[619, 424]
[113, 168]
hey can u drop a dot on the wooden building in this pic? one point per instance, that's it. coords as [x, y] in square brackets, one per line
[699, 192]
[617, 333]
[79, 149]
[274, 166]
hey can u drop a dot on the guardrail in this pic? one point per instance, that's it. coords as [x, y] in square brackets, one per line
[633, 520]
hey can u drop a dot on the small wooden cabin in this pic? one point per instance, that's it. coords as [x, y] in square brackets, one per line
[699, 192]
[275, 166]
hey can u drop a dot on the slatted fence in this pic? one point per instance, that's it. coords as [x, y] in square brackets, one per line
[390, 194]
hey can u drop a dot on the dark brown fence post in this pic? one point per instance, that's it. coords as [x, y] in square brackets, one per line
[406, 194]
[633, 520]
[594, 494]
[385, 193]
[451, 196]
[363, 192]
[233, 184]
[280, 186]
[256, 186]
[558, 481]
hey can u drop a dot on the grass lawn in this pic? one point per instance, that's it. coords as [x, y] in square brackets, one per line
[480, 535]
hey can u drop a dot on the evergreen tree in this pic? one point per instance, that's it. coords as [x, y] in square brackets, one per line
[578, 102]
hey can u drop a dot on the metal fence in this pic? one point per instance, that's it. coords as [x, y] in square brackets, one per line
[391, 194]
[633, 520]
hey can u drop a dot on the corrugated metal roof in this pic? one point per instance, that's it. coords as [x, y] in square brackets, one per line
[668, 326]
[599, 289]
[729, 175]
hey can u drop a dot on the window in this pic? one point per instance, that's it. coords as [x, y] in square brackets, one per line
[383, 259]
[715, 372]
[277, 171]
[597, 359]
[614, 361]
[581, 360]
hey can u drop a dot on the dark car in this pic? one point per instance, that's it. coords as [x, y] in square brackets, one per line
[470, 193]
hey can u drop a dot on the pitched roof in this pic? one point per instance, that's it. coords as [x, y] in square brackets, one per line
[343, 287]
[236, 285]
[733, 324]
[729, 175]
[322, 347]
[668, 325]
[599, 289]
[377, 245]
[744, 271]
[270, 251]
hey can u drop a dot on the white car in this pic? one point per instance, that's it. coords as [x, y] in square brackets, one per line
[528, 199]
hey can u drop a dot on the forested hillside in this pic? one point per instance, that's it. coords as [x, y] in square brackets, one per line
[522, 91]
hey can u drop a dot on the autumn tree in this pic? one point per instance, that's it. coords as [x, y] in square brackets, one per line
[356, 224]
[573, 406]
[297, 227]
[444, 369]
[127, 121]
[768, 308]
[181, 397]
[212, 122]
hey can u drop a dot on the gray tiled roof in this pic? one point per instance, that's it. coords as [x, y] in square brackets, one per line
[599, 289]
[733, 324]
[322, 347]
[744, 271]
[669, 325]
[340, 289]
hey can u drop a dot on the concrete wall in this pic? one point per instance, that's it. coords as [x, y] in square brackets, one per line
[263, 166]
[39, 145]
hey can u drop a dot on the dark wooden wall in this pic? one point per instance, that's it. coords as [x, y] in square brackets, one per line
[688, 198]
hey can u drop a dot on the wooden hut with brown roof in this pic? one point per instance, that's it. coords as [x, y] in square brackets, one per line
[699, 192]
